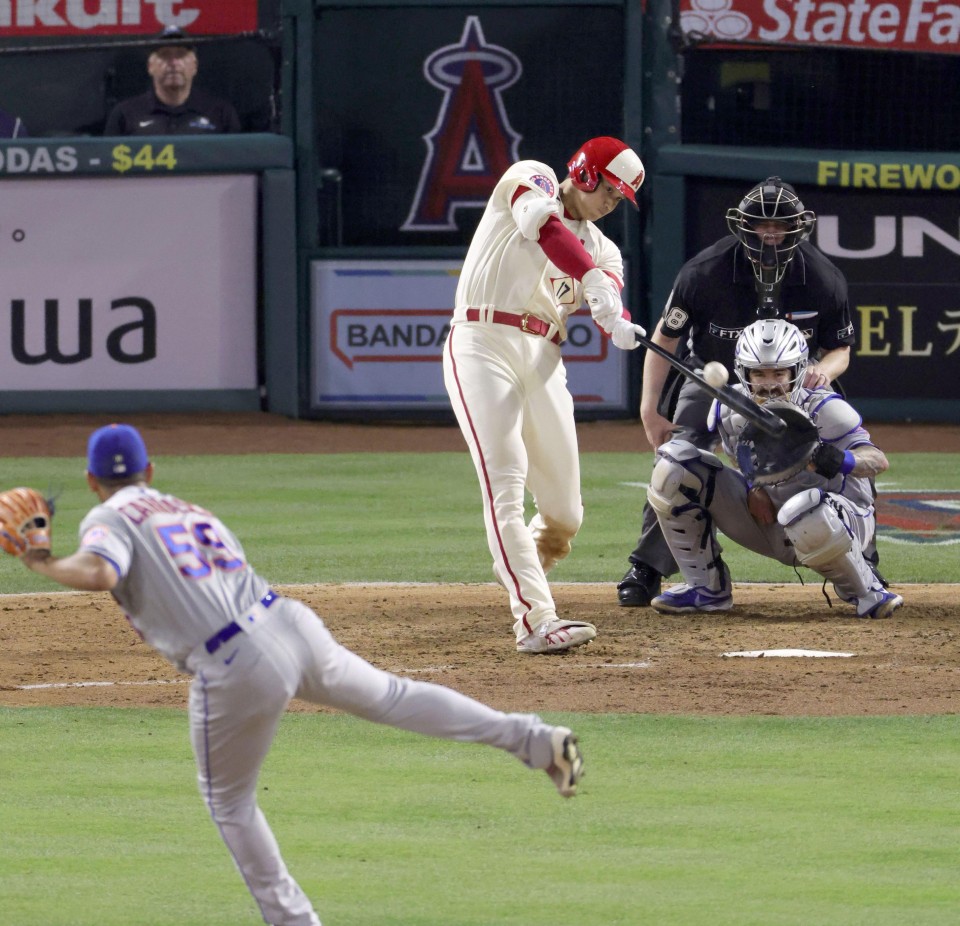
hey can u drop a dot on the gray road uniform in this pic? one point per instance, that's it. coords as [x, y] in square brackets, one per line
[187, 589]
[824, 524]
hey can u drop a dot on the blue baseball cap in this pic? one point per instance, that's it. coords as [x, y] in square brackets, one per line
[116, 451]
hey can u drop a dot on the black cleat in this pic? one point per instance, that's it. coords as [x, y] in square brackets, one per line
[639, 586]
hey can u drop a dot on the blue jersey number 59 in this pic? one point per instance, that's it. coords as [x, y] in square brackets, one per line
[194, 548]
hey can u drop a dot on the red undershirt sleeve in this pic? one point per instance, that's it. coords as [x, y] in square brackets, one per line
[564, 248]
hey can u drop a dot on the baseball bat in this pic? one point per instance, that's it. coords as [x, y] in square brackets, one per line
[765, 420]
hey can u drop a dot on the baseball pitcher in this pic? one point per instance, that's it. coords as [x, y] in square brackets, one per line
[185, 584]
[803, 498]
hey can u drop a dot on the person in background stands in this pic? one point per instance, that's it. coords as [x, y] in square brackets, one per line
[173, 106]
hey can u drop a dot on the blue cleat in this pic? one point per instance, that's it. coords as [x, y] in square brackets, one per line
[689, 599]
[884, 607]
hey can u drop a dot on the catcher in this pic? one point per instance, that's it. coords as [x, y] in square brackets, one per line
[803, 498]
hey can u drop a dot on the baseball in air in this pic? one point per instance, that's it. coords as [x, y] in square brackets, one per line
[715, 374]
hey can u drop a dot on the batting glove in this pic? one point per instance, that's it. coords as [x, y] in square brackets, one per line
[624, 334]
[603, 298]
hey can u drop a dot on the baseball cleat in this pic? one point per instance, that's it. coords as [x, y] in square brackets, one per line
[554, 635]
[691, 599]
[566, 769]
[639, 586]
[887, 604]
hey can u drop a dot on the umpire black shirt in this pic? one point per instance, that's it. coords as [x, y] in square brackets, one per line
[201, 114]
[714, 299]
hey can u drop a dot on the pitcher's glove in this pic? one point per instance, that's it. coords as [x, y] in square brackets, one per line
[25, 518]
[768, 460]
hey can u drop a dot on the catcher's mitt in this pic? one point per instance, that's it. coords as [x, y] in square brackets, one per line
[24, 521]
[766, 460]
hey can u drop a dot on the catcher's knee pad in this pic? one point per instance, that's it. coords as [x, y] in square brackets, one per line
[674, 481]
[815, 529]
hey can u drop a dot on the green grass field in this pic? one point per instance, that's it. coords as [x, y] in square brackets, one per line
[409, 517]
[681, 821]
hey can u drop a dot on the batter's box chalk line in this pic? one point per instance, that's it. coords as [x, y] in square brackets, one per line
[613, 665]
[159, 681]
[815, 653]
[422, 670]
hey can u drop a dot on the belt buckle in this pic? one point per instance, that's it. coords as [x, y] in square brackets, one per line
[523, 324]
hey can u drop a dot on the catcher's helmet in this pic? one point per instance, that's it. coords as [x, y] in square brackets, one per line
[773, 200]
[772, 344]
[610, 158]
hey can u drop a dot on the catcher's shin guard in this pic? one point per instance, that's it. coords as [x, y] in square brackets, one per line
[823, 542]
[681, 489]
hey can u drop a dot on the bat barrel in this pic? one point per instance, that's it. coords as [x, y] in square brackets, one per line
[765, 420]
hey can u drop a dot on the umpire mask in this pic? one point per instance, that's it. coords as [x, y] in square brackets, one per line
[770, 223]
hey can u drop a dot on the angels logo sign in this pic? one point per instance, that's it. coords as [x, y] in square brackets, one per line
[472, 142]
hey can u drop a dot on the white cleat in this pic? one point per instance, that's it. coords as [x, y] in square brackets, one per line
[567, 766]
[555, 635]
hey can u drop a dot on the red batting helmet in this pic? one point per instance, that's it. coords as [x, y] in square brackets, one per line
[610, 158]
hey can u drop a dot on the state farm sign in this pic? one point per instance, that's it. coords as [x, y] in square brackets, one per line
[125, 17]
[904, 25]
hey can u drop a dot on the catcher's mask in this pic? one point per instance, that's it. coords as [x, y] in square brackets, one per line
[770, 223]
[611, 159]
[772, 344]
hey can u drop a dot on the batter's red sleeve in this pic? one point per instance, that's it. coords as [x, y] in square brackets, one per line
[564, 248]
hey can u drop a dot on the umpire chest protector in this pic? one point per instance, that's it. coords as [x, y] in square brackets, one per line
[714, 298]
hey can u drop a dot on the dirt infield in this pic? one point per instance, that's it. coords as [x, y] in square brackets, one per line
[460, 634]
[253, 432]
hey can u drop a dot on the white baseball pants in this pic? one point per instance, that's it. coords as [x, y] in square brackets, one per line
[509, 392]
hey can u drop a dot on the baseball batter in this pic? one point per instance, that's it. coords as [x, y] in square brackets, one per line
[821, 517]
[184, 582]
[535, 258]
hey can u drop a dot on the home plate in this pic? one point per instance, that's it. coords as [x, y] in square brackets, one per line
[757, 653]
